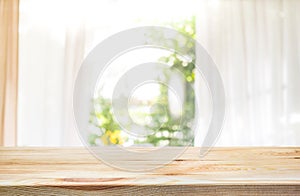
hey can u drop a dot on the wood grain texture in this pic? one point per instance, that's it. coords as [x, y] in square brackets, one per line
[223, 171]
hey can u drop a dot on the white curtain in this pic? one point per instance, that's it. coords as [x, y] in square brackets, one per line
[52, 46]
[255, 44]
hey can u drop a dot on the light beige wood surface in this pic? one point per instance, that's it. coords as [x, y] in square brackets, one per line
[223, 171]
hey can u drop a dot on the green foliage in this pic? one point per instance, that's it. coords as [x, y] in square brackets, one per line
[110, 133]
[167, 129]
[177, 132]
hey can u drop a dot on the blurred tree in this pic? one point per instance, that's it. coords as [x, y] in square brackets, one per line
[176, 132]
[167, 129]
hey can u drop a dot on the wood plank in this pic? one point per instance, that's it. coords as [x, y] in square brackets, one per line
[229, 171]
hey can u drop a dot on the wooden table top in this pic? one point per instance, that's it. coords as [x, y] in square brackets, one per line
[72, 171]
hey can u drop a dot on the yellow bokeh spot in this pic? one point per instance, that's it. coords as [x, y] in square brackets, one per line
[112, 137]
[189, 79]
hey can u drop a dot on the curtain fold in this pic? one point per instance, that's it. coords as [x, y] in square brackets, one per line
[256, 47]
[9, 18]
[75, 44]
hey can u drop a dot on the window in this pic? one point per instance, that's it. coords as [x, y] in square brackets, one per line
[254, 44]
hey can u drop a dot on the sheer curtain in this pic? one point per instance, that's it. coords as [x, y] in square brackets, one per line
[256, 46]
[52, 47]
[254, 43]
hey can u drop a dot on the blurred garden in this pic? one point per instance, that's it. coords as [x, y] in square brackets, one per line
[167, 129]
